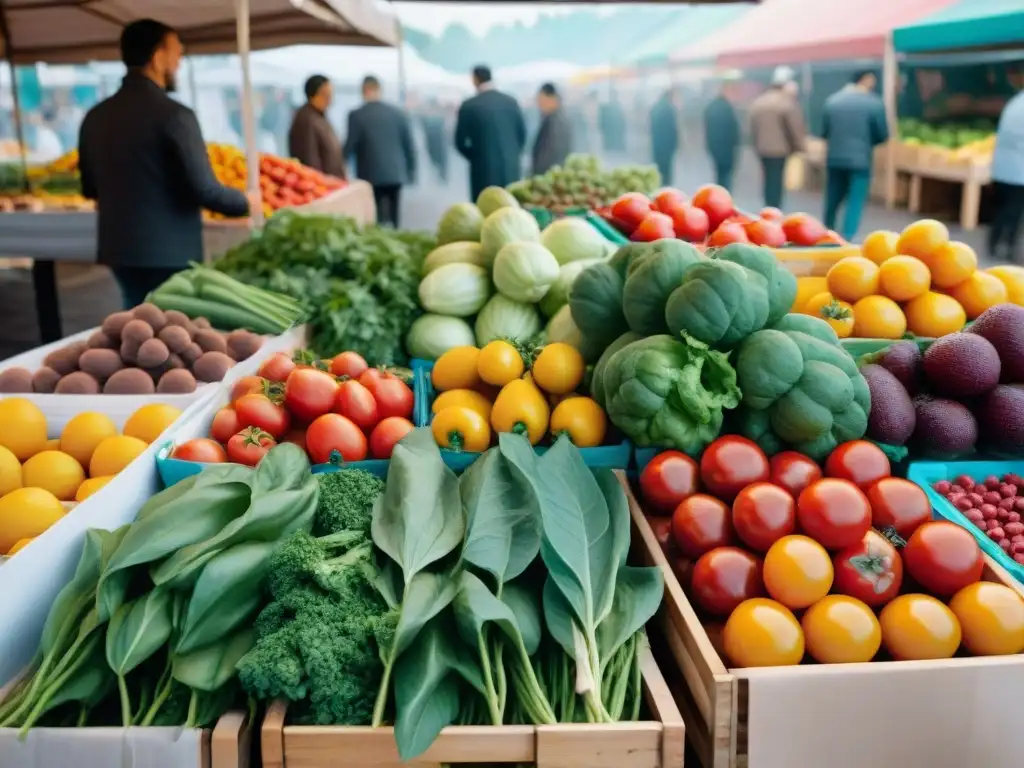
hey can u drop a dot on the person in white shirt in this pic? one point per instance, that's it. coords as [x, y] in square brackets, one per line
[1008, 183]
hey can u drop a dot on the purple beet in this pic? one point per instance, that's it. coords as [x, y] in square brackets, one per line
[1003, 326]
[1001, 418]
[892, 418]
[945, 428]
[961, 365]
[902, 360]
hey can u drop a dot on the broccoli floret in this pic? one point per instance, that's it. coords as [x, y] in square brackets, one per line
[346, 501]
[305, 559]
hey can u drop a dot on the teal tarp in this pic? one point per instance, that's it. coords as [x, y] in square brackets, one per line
[965, 24]
[692, 24]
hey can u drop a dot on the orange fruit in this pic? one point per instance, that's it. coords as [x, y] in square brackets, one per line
[880, 246]
[114, 454]
[807, 288]
[83, 433]
[853, 278]
[934, 314]
[53, 471]
[991, 618]
[903, 278]
[951, 264]
[979, 292]
[922, 239]
[878, 317]
[1011, 276]
[838, 314]
[90, 486]
[27, 512]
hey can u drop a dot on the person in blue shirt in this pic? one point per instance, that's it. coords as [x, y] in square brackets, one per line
[854, 124]
[1008, 182]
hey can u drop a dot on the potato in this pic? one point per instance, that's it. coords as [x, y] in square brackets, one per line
[174, 361]
[174, 317]
[115, 323]
[136, 332]
[65, 359]
[212, 366]
[201, 322]
[100, 363]
[243, 344]
[177, 382]
[100, 340]
[16, 380]
[151, 314]
[152, 353]
[44, 381]
[78, 383]
[190, 355]
[211, 341]
[129, 381]
[176, 338]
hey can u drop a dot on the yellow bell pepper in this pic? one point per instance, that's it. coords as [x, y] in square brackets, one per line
[558, 369]
[499, 363]
[582, 419]
[521, 408]
[461, 429]
[456, 369]
[466, 398]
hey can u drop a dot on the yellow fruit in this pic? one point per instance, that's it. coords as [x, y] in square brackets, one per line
[934, 314]
[922, 238]
[951, 264]
[456, 369]
[22, 427]
[149, 422]
[114, 454]
[499, 363]
[25, 513]
[464, 398]
[53, 444]
[83, 433]
[10, 471]
[90, 486]
[853, 278]
[979, 292]
[1013, 278]
[559, 368]
[806, 288]
[53, 471]
[838, 314]
[876, 317]
[880, 246]
[903, 278]
[19, 545]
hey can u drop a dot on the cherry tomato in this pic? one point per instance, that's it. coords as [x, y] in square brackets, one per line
[260, 411]
[871, 570]
[393, 396]
[309, 393]
[248, 385]
[919, 627]
[861, 462]
[730, 464]
[371, 376]
[200, 449]
[333, 438]
[725, 577]
[385, 436]
[841, 630]
[763, 633]
[668, 478]
[296, 436]
[793, 471]
[834, 512]
[762, 514]
[991, 618]
[662, 528]
[249, 446]
[943, 558]
[899, 504]
[225, 424]
[701, 523]
[277, 367]
[355, 402]
[349, 364]
[797, 571]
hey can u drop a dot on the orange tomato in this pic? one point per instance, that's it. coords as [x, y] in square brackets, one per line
[922, 239]
[919, 627]
[991, 617]
[797, 571]
[880, 246]
[979, 292]
[876, 317]
[763, 633]
[934, 314]
[853, 278]
[951, 264]
[903, 278]
[1011, 276]
[841, 630]
[837, 314]
[806, 289]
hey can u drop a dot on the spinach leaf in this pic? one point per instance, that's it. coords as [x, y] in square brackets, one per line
[638, 594]
[523, 603]
[210, 667]
[138, 630]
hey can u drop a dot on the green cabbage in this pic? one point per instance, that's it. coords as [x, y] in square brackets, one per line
[430, 336]
[461, 222]
[558, 295]
[502, 317]
[493, 198]
[455, 289]
[525, 271]
[574, 239]
[504, 226]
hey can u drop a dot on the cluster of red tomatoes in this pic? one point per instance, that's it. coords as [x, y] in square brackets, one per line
[848, 548]
[338, 410]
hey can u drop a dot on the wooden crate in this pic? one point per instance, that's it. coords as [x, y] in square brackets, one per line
[814, 261]
[952, 713]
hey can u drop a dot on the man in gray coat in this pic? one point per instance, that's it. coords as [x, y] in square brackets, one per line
[554, 138]
[311, 139]
[380, 140]
[777, 131]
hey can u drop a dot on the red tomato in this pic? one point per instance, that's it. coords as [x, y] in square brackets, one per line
[200, 449]
[371, 376]
[247, 385]
[296, 436]
[716, 202]
[349, 364]
[943, 558]
[861, 462]
[690, 223]
[260, 411]
[667, 200]
[682, 568]
[701, 523]
[834, 512]
[728, 233]
[803, 229]
[730, 464]
[394, 398]
[387, 434]
[276, 367]
[899, 504]
[629, 210]
[668, 478]
[762, 514]
[656, 226]
[725, 577]
[309, 393]
[830, 238]
[355, 402]
[770, 213]
[662, 528]
[871, 570]
[794, 471]
[766, 232]
[249, 446]
[225, 424]
[334, 439]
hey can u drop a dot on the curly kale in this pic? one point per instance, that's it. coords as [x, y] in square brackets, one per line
[346, 501]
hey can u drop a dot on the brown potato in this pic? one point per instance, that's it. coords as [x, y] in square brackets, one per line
[151, 314]
[211, 340]
[65, 359]
[78, 383]
[44, 381]
[176, 338]
[212, 366]
[174, 317]
[100, 363]
[201, 322]
[100, 340]
[177, 382]
[136, 332]
[152, 353]
[243, 344]
[190, 355]
[115, 323]
[16, 380]
[129, 381]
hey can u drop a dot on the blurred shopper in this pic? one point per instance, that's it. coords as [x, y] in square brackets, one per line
[1008, 180]
[777, 131]
[554, 137]
[665, 134]
[612, 122]
[45, 141]
[854, 124]
[491, 135]
[434, 130]
[143, 160]
[311, 139]
[380, 140]
[722, 137]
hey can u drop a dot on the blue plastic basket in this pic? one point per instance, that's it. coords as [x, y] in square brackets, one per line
[927, 473]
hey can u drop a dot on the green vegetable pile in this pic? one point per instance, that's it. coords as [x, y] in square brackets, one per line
[583, 183]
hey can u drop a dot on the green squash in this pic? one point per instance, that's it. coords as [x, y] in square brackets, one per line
[651, 281]
[596, 302]
[781, 282]
[719, 303]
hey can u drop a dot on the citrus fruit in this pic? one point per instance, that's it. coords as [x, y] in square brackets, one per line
[22, 427]
[880, 246]
[922, 239]
[53, 444]
[991, 617]
[979, 292]
[114, 454]
[806, 288]
[90, 486]
[853, 278]
[841, 630]
[951, 264]
[903, 278]
[876, 317]
[10, 471]
[1013, 278]
[27, 512]
[837, 314]
[83, 433]
[149, 422]
[19, 545]
[763, 633]
[934, 314]
[56, 472]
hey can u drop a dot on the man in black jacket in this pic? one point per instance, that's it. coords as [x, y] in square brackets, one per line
[143, 160]
[554, 139]
[722, 137]
[491, 135]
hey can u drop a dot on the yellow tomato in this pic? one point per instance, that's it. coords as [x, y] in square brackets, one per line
[10, 471]
[880, 246]
[580, 418]
[53, 471]
[992, 618]
[806, 289]
[934, 314]
[797, 571]
[559, 368]
[90, 486]
[853, 278]
[27, 512]
[951, 264]
[83, 433]
[466, 398]
[979, 292]
[461, 429]
[837, 314]
[876, 317]
[922, 238]
[499, 363]
[903, 278]
[1013, 278]
[149, 421]
[24, 427]
[919, 627]
[114, 454]
[841, 630]
[763, 633]
[456, 369]
[19, 545]
[521, 408]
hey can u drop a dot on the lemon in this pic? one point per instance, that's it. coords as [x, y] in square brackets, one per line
[90, 486]
[150, 421]
[53, 444]
[53, 471]
[22, 427]
[83, 433]
[19, 545]
[27, 512]
[10, 471]
[114, 454]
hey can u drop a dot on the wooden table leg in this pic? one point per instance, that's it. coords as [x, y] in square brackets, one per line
[44, 280]
[969, 204]
[914, 194]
